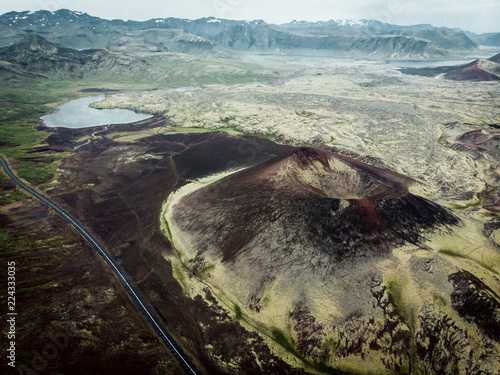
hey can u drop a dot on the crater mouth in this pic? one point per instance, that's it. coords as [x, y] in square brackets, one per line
[332, 175]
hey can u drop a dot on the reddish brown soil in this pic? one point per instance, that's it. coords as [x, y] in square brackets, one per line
[480, 140]
[66, 295]
[122, 209]
[471, 72]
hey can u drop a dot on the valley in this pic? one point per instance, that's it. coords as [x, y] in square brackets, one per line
[295, 214]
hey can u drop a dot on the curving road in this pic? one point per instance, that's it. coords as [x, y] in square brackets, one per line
[136, 297]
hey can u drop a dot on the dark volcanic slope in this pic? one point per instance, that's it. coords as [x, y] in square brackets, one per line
[495, 59]
[308, 202]
[35, 54]
[478, 70]
[472, 72]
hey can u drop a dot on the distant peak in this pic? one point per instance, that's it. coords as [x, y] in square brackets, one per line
[36, 42]
[349, 22]
[32, 44]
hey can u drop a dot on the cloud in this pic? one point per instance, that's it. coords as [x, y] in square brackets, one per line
[479, 16]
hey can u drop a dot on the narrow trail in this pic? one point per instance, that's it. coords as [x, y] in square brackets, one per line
[93, 136]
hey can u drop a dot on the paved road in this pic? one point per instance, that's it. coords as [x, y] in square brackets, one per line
[133, 293]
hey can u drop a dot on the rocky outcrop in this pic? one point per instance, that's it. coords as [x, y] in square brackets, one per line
[35, 54]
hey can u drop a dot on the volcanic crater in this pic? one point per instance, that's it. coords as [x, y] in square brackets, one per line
[310, 204]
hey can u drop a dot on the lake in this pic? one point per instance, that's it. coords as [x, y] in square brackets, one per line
[482, 53]
[77, 114]
[426, 63]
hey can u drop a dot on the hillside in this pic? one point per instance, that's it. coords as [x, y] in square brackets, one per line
[487, 39]
[215, 37]
[495, 59]
[444, 38]
[261, 37]
[323, 243]
[477, 70]
[340, 27]
[36, 54]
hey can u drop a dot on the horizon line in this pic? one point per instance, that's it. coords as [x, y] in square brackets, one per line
[251, 20]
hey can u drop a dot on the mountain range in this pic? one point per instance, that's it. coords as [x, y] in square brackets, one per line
[220, 37]
[35, 56]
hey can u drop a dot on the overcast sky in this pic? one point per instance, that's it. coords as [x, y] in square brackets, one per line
[478, 16]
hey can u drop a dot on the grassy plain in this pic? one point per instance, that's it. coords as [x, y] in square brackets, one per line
[24, 99]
